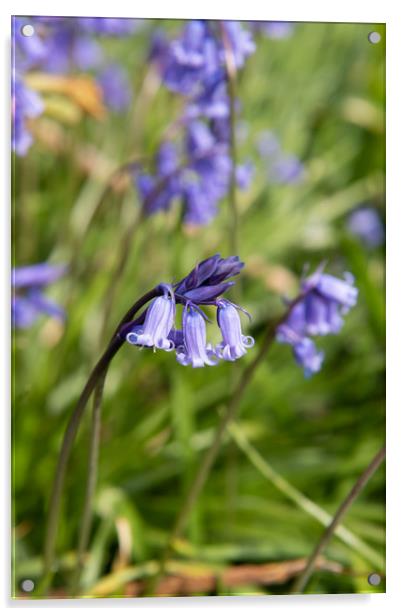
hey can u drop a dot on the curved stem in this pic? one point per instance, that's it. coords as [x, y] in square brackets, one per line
[302, 501]
[304, 577]
[91, 482]
[211, 454]
[70, 433]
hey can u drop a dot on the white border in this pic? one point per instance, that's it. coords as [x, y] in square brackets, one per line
[340, 10]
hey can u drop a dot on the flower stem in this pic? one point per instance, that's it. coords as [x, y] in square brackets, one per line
[231, 74]
[98, 372]
[302, 501]
[211, 454]
[91, 482]
[361, 482]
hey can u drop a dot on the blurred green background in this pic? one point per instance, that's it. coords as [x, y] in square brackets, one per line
[321, 92]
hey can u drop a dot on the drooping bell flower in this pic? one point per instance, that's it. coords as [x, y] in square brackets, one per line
[234, 344]
[158, 323]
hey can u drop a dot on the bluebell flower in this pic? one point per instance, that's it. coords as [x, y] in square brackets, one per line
[283, 168]
[366, 224]
[240, 40]
[274, 29]
[244, 174]
[204, 285]
[159, 190]
[195, 350]
[234, 344]
[286, 169]
[29, 300]
[158, 323]
[116, 87]
[325, 299]
[26, 104]
[192, 58]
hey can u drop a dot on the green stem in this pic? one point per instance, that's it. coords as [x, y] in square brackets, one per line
[122, 259]
[91, 482]
[211, 454]
[361, 482]
[300, 499]
[69, 436]
[231, 74]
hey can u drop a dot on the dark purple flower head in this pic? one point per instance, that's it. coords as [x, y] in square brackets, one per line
[323, 302]
[204, 285]
[209, 279]
[29, 301]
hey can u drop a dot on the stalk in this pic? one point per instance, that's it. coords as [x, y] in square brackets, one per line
[98, 372]
[361, 482]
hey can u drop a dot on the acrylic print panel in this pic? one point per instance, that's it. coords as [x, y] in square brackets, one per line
[198, 308]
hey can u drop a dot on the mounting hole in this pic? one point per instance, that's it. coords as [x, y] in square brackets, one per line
[27, 585]
[374, 579]
[374, 37]
[27, 30]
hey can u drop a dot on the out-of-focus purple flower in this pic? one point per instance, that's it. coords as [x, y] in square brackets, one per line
[234, 344]
[212, 103]
[201, 179]
[68, 48]
[116, 87]
[110, 26]
[240, 40]
[244, 174]
[324, 301]
[366, 224]
[287, 169]
[307, 356]
[268, 144]
[25, 104]
[283, 168]
[158, 323]
[29, 301]
[158, 191]
[274, 29]
[28, 51]
[195, 350]
[191, 59]
[194, 64]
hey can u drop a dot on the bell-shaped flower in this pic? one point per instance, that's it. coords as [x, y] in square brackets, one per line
[234, 344]
[158, 323]
[194, 351]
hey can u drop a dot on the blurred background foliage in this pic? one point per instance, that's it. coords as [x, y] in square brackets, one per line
[320, 91]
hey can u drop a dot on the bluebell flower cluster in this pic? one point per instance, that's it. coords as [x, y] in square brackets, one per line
[29, 300]
[205, 285]
[283, 168]
[324, 300]
[366, 224]
[194, 65]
